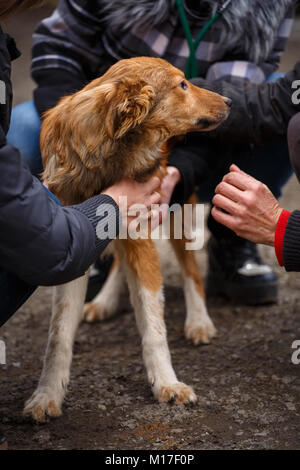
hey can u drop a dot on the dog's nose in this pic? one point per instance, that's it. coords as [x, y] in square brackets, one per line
[228, 101]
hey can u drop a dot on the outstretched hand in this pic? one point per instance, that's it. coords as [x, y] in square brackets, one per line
[251, 210]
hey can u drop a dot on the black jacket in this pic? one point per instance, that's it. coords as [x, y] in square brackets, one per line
[40, 241]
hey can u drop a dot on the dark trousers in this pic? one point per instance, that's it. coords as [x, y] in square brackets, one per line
[294, 143]
[14, 292]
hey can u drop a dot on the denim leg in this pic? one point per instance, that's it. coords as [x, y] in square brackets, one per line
[24, 133]
[13, 293]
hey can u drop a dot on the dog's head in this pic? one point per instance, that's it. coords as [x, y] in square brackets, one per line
[131, 110]
[149, 92]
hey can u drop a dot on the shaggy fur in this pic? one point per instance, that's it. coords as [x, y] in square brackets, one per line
[115, 128]
[256, 21]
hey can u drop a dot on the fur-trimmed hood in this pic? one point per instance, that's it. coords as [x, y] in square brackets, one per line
[256, 21]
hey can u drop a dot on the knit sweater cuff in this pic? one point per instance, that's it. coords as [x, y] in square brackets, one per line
[105, 217]
[279, 235]
[291, 243]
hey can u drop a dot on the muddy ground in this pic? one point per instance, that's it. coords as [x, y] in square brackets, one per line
[247, 385]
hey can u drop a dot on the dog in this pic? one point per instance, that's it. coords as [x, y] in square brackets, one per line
[114, 128]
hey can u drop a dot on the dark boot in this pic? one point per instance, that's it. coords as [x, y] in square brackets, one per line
[237, 272]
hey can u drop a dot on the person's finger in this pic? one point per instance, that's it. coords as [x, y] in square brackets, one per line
[239, 180]
[234, 167]
[153, 184]
[155, 198]
[226, 219]
[229, 191]
[226, 204]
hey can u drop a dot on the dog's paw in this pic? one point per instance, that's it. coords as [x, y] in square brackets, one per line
[93, 312]
[40, 405]
[200, 333]
[178, 393]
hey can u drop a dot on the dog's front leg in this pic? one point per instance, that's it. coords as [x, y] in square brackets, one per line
[199, 327]
[146, 292]
[67, 311]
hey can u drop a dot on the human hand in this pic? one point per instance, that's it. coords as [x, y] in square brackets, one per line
[252, 211]
[138, 195]
[169, 182]
[171, 178]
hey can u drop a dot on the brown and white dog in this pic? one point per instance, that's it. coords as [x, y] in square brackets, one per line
[115, 128]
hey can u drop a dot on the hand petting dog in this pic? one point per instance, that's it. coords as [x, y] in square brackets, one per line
[251, 210]
[144, 194]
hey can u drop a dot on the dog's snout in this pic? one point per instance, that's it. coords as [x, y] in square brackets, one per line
[228, 101]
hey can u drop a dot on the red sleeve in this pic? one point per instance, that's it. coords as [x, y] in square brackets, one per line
[279, 235]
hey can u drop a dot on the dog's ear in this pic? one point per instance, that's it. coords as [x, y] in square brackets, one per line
[128, 104]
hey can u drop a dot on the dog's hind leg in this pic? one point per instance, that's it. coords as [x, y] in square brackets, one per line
[199, 327]
[67, 311]
[105, 304]
[142, 267]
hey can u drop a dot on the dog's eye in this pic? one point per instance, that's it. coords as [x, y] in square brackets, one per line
[183, 84]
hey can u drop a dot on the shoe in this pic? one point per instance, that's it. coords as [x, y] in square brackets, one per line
[3, 442]
[98, 276]
[236, 271]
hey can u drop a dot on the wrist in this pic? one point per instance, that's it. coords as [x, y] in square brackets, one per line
[113, 194]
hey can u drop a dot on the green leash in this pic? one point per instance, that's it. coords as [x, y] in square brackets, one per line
[192, 65]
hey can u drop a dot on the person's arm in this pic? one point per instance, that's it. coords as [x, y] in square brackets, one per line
[40, 241]
[259, 113]
[255, 66]
[272, 62]
[67, 51]
[47, 244]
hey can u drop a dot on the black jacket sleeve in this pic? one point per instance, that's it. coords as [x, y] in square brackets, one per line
[40, 241]
[190, 157]
[260, 113]
[291, 243]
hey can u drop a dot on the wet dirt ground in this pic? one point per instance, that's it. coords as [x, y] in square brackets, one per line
[245, 380]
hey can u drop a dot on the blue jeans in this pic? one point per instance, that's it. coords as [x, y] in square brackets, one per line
[24, 133]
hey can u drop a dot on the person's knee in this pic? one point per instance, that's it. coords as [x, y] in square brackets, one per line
[294, 142]
[25, 122]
